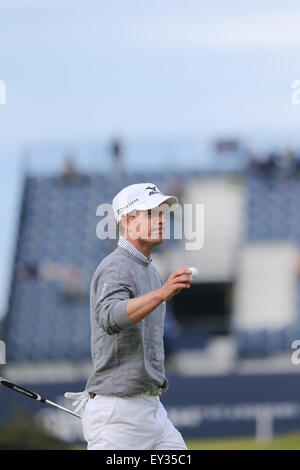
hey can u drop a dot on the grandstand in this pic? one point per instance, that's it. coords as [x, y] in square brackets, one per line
[245, 304]
[268, 291]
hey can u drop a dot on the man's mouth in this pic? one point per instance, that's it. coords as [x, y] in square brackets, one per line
[158, 230]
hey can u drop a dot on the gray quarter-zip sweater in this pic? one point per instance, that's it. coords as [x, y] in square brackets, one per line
[127, 358]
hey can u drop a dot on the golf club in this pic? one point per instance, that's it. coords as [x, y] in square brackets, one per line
[34, 396]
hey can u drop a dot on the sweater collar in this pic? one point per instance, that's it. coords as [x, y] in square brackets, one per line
[124, 243]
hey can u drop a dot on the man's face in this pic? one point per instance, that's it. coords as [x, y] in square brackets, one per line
[148, 226]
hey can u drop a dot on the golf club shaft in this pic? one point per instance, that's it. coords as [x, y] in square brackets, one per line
[34, 396]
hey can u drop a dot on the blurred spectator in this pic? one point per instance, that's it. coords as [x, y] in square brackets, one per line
[70, 172]
[286, 163]
[264, 163]
[117, 160]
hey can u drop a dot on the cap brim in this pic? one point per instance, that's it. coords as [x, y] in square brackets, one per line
[155, 201]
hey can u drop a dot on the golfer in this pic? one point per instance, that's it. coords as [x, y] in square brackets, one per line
[127, 309]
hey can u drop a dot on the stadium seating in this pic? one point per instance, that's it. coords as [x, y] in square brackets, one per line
[273, 208]
[272, 225]
[58, 222]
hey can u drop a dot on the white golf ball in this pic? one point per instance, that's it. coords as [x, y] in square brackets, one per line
[194, 272]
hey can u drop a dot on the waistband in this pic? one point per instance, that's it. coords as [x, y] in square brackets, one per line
[154, 392]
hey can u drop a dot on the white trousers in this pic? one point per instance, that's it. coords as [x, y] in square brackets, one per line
[129, 423]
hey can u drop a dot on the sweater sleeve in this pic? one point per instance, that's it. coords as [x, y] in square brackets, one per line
[113, 288]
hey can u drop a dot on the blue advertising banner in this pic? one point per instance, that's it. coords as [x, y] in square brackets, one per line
[206, 406]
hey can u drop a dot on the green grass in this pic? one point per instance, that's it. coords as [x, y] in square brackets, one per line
[284, 442]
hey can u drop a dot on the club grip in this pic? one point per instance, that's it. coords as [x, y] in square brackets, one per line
[22, 390]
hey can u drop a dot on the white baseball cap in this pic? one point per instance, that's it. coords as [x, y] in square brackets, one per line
[142, 197]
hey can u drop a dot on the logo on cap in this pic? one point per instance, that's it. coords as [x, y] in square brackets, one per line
[127, 206]
[153, 190]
